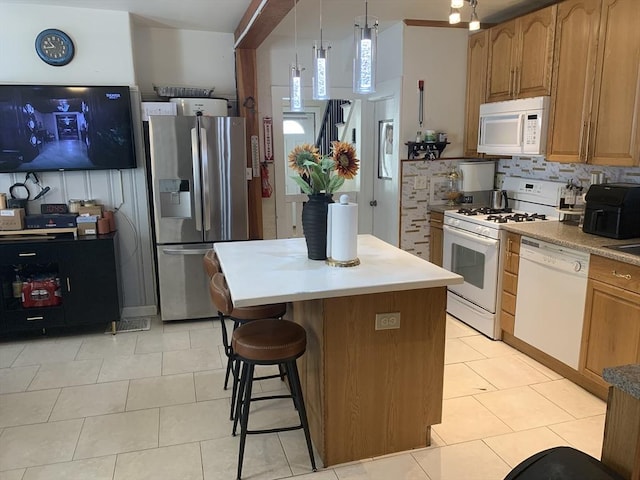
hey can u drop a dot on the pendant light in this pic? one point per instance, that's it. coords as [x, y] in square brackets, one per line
[295, 79]
[454, 13]
[320, 67]
[364, 63]
[474, 23]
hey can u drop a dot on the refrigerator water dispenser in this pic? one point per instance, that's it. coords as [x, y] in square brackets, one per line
[175, 198]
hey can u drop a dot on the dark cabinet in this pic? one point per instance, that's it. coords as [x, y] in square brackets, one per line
[57, 283]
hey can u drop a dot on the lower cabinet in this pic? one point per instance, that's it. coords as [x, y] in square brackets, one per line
[510, 261]
[611, 334]
[436, 238]
[57, 283]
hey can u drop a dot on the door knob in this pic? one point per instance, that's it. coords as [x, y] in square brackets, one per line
[373, 203]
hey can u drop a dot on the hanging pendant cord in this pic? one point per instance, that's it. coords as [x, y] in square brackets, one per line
[295, 29]
[320, 24]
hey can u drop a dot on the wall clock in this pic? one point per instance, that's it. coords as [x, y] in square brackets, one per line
[54, 47]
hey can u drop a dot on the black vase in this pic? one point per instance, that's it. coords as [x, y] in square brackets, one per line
[314, 225]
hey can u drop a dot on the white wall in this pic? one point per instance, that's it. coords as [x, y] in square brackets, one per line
[171, 57]
[111, 50]
[439, 57]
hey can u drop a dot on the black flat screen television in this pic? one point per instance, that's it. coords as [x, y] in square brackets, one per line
[52, 128]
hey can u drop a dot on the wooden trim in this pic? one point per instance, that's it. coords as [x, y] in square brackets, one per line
[247, 83]
[414, 22]
[555, 365]
[266, 21]
[622, 434]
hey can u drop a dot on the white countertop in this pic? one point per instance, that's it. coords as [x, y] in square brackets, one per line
[271, 271]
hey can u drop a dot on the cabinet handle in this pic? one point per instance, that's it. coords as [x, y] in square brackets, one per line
[511, 82]
[30, 254]
[31, 319]
[626, 276]
[586, 154]
[68, 285]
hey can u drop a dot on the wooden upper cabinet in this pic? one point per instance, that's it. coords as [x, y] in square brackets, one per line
[614, 133]
[576, 46]
[521, 56]
[595, 100]
[476, 88]
[500, 69]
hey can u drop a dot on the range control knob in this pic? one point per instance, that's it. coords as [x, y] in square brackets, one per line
[486, 231]
[577, 266]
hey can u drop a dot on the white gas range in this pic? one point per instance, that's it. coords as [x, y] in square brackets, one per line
[472, 248]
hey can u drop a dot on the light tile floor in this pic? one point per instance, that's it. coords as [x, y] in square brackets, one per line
[150, 405]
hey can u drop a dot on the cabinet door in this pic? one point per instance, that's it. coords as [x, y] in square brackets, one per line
[576, 44]
[436, 238]
[615, 133]
[89, 281]
[476, 89]
[612, 329]
[501, 71]
[536, 32]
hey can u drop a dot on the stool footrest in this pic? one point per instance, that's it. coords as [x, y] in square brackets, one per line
[274, 430]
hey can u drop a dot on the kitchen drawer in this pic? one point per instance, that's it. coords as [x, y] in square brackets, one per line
[510, 282]
[509, 303]
[32, 319]
[507, 322]
[513, 243]
[28, 253]
[511, 263]
[612, 272]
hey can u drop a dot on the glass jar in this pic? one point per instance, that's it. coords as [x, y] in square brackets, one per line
[453, 187]
[74, 206]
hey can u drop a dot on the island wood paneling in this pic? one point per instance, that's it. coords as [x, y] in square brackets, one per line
[373, 392]
[621, 444]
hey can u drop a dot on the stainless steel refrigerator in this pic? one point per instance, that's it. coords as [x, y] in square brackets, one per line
[199, 196]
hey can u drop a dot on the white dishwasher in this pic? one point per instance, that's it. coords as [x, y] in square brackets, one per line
[552, 286]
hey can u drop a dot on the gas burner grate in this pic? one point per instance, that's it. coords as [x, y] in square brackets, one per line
[483, 211]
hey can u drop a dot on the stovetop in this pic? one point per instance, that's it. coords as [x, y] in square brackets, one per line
[495, 215]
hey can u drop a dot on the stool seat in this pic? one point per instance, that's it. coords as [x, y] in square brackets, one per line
[269, 341]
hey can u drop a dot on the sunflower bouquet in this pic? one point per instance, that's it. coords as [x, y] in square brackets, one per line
[323, 174]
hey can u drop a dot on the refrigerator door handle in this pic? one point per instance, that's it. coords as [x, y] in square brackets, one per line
[182, 251]
[206, 200]
[197, 186]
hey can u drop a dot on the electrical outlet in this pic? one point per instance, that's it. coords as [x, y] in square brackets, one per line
[387, 321]
[420, 182]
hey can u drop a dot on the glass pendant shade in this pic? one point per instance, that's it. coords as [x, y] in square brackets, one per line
[457, 3]
[320, 73]
[295, 89]
[364, 63]
[454, 16]
[474, 23]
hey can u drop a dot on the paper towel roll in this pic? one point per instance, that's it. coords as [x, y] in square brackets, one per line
[342, 230]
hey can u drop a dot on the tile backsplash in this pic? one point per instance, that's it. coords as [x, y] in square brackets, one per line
[418, 195]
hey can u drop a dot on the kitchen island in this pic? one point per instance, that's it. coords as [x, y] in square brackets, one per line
[372, 375]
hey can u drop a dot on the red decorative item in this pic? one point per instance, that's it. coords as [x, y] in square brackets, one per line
[41, 293]
[267, 190]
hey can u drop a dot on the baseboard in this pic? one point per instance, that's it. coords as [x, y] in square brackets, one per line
[140, 311]
[556, 365]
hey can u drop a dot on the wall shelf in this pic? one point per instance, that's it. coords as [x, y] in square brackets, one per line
[425, 150]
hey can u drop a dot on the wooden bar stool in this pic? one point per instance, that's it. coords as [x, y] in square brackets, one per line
[264, 342]
[238, 316]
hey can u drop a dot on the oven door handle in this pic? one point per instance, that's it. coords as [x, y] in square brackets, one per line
[489, 242]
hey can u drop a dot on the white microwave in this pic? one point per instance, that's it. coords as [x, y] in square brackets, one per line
[514, 127]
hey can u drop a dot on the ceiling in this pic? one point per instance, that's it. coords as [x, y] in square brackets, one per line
[338, 15]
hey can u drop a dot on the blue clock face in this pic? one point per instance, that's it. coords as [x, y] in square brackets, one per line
[54, 47]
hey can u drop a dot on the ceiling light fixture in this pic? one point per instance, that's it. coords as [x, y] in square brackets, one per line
[295, 80]
[364, 63]
[454, 13]
[320, 67]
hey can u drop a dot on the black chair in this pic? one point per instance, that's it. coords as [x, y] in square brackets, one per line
[562, 463]
[263, 342]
